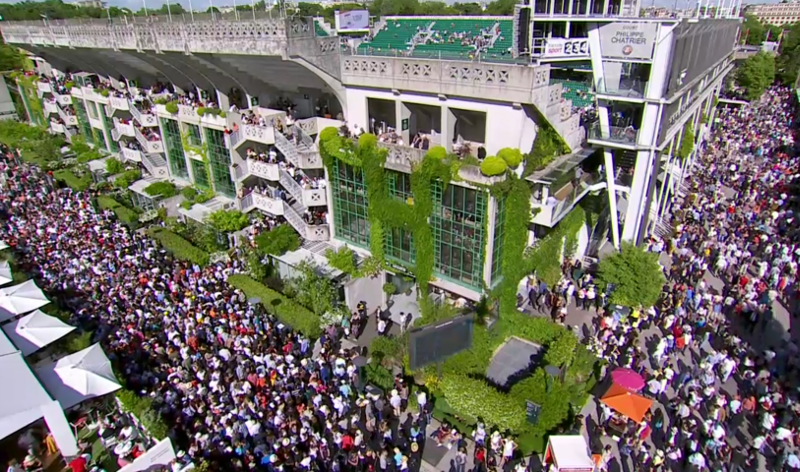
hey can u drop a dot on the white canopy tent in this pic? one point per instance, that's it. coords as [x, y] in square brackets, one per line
[35, 331]
[21, 298]
[162, 454]
[5, 273]
[568, 453]
[81, 376]
[4, 245]
[6, 346]
[25, 401]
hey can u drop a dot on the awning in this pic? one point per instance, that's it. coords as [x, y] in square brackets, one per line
[626, 403]
[162, 454]
[78, 377]
[20, 299]
[35, 331]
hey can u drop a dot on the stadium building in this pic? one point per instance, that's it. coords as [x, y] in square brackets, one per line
[627, 100]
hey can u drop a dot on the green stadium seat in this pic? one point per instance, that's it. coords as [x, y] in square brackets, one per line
[319, 30]
[579, 92]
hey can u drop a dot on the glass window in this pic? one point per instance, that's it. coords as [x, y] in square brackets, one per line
[349, 204]
[194, 136]
[220, 161]
[200, 172]
[497, 246]
[175, 155]
[83, 121]
[458, 230]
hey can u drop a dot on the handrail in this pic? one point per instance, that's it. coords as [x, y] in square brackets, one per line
[287, 148]
[616, 134]
[304, 138]
[246, 203]
[291, 185]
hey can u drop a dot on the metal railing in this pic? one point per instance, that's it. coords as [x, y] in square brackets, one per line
[246, 203]
[626, 87]
[149, 146]
[291, 186]
[437, 55]
[144, 118]
[287, 148]
[614, 134]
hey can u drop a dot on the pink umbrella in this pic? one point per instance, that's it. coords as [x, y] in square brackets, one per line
[627, 379]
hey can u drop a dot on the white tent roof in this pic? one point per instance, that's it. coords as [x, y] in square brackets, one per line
[4, 245]
[570, 452]
[160, 454]
[5, 272]
[80, 376]
[6, 347]
[21, 298]
[35, 331]
[25, 401]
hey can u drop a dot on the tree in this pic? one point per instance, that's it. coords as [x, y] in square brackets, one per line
[756, 74]
[788, 62]
[501, 7]
[312, 289]
[279, 241]
[228, 221]
[473, 9]
[635, 274]
[10, 58]
[435, 8]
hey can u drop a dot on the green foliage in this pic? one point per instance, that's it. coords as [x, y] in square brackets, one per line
[10, 58]
[512, 156]
[123, 213]
[312, 289]
[687, 141]
[127, 178]
[437, 152]
[756, 74]
[75, 342]
[178, 246]
[36, 144]
[142, 408]
[547, 146]
[788, 61]
[102, 92]
[555, 403]
[279, 241]
[493, 166]
[343, 259]
[285, 309]
[114, 166]
[77, 182]
[228, 221]
[389, 289]
[754, 32]
[161, 189]
[172, 107]
[636, 275]
[255, 267]
[210, 111]
[482, 401]
[379, 376]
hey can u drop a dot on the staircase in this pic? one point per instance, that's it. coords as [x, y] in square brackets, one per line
[291, 186]
[624, 159]
[156, 165]
[288, 149]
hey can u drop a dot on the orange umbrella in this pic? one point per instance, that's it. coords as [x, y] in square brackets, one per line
[626, 403]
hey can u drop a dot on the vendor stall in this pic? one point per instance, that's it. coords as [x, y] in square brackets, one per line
[568, 454]
[627, 406]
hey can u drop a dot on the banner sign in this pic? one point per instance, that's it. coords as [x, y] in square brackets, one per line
[567, 48]
[628, 40]
[354, 20]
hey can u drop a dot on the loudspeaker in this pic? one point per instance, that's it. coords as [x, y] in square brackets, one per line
[524, 31]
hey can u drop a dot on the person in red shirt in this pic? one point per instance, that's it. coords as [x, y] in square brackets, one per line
[79, 464]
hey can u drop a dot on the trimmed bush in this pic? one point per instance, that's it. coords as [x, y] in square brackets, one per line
[172, 107]
[125, 179]
[437, 152]
[228, 221]
[114, 166]
[492, 166]
[513, 157]
[123, 213]
[285, 309]
[179, 247]
[480, 400]
[367, 140]
[210, 111]
[161, 189]
[328, 133]
[73, 181]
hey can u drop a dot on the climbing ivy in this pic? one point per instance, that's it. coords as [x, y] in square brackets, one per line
[547, 146]
[201, 151]
[687, 141]
[30, 90]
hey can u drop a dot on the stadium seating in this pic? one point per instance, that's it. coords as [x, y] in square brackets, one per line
[579, 92]
[319, 30]
[396, 36]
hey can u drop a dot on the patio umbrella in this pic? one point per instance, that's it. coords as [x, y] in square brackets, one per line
[5, 273]
[4, 245]
[626, 403]
[80, 376]
[35, 331]
[21, 298]
[628, 379]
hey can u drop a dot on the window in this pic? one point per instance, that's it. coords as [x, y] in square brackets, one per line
[200, 171]
[175, 155]
[399, 185]
[400, 245]
[220, 161]
[497, 246]
[349, 204]
[458, 232]
[92, 110]
[114, 146]
[83, 121]
[194, 136]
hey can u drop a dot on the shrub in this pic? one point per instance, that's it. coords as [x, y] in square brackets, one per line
[88, 155]
[513, 157]
[389, 289]
[172, 107]
[478, 399]
[210, 111]
[228, 221]
[635, 274]
[125, 179]
[69, 85]
[285, 309]
[179, 247]
[123, 213]
[555, 403]
[114, 166]
[367, 140]
[328, 133]
[189, 193]
[493, 166]
[344, 259]
[142, 409]
[78, 342]
[161, 189]
[437, 152]
[279, 241]
[77, 183]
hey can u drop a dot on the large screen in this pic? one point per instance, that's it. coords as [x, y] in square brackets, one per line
[353, 20]
[436, 342]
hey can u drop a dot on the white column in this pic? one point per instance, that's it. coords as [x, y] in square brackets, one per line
[491, 211]
[222, 101]
[612, 197]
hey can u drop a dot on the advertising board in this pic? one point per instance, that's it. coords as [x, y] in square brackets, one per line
[571, 48]
[354, 20]
[628, 40]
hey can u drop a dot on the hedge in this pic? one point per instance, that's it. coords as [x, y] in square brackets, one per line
[161, 189]
[179, 247]
[142, 409]
[124, 214]
[483, 402]
[512, 156]
[493, 166]
[74, 182]
[284, 308]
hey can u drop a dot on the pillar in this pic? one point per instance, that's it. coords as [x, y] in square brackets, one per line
[448, 127]
[608, 163]
[403, 120]
[222, 101]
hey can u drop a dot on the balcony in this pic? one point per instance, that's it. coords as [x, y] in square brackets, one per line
[613, 134]
[63, 100]
[69, 120]
[44, 87]
[76, 92]
[57, 127]
[69, 133]
[133, 155]
[96, 123]
[626, 88]
[155, 146]
[188, 114]
[307, 197]
[118, 103]
[156, 165]
[50, 107]
[90, 94]
[302, 152]
[312, 126]
[214, 121]
[275, 206]
[255, 133]
[124, 129]
[560, 197]
[264, 170]
[263, 202]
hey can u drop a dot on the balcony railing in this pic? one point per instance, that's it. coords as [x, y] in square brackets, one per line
[124, 129]
[76, 92]
[188, 113]
[44, 87]
[561, 201]
[50, 107]
[626, 87]
[402, 155]
[147, 145]
[258, 134]
[265, 170]
[70, 120]
[63, 100]
[57, 127]
[246, 203]
[69, 133]
[118, 103]
[131, 154]
[615, 134]
[155, 165]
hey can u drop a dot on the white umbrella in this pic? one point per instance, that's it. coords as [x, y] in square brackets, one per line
[20, 299]
[35, 331]
[5, 272]
[4, 245]
[80, 376]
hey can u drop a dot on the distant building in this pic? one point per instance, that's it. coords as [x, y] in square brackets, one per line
[777, 14]
[90, 4]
